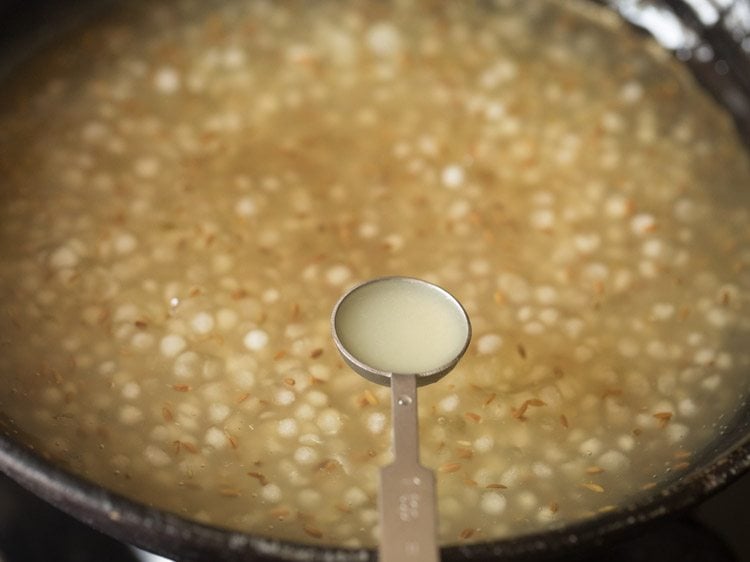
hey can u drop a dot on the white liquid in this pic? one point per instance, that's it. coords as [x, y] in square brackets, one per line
[401, 326]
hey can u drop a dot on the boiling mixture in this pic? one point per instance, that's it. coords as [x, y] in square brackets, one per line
[188, 188]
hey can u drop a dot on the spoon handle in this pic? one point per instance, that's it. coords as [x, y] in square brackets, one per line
[408, 515]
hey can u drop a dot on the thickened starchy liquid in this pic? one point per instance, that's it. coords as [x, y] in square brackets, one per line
[403, 326]
[188, 187]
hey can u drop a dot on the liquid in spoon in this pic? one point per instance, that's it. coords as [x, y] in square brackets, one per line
[402, 325]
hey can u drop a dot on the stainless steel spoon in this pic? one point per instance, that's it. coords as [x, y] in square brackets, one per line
[371, 313]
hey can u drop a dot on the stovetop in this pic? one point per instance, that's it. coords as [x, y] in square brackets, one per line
[716, 531]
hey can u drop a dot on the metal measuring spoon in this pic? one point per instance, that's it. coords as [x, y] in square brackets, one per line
[403, 332]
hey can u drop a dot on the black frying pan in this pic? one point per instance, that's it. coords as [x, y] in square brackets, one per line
[25, 26]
